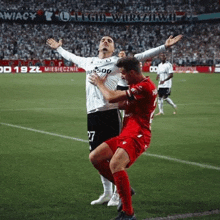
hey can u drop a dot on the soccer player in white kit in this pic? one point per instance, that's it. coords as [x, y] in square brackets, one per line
[165, 75]
[103, 117]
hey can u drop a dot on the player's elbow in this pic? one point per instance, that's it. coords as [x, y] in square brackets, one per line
[111, 100]
[110, 97]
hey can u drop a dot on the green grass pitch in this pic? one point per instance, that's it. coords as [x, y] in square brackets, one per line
[46, 175]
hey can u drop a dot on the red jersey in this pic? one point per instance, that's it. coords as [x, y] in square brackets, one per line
[140, 108]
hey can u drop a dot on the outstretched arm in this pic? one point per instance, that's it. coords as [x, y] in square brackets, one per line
[80, 61]
[157, 50]
[169, 77]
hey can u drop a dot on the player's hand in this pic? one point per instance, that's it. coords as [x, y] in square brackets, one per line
[162, 82]
[173, 40]
[54, 44]
[97, 80]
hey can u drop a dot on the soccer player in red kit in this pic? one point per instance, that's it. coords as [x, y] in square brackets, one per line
[114, 156]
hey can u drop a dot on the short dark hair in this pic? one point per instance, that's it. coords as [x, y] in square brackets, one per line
[129, 63]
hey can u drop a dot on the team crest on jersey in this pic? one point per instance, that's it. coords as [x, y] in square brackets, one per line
[133, 90]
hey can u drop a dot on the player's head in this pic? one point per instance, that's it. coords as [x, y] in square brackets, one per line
[122, 54]
[106, 45]
[163, 57]
[130, 68]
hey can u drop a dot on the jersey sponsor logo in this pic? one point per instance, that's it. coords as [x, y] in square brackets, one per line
[100, 70]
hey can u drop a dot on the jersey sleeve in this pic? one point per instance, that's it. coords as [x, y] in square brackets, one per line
[79, 61]
[150, 53]
[170, 68]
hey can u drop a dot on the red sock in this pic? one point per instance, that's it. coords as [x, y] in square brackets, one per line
[124, 190]
[104, 170]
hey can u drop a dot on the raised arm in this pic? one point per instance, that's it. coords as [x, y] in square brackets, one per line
[80, 61]
[157, 50]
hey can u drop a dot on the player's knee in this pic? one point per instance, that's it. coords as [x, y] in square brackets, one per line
[93, 157]
[115, 166]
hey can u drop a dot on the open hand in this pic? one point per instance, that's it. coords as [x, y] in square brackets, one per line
[173, 40]
[97, 80]
[54, 44]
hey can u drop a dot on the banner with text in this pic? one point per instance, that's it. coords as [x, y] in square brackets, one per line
[49, 16]
[40, 69]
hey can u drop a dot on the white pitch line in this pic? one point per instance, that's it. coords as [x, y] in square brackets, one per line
[187, 215]
[183, 161]
[86, 141]
[32, 109]
[44, 132]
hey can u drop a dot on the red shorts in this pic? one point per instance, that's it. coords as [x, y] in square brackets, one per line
[134, 145]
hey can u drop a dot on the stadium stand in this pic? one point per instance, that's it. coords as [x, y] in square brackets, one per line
[113, 6]
[26, 41]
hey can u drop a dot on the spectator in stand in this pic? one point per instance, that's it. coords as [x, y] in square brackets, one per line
[207, 36]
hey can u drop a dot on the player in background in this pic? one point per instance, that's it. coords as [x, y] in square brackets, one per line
[117, 154]
[165, 75]
[103, 118]
[122, 84]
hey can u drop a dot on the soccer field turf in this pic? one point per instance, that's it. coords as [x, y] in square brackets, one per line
[45, 171]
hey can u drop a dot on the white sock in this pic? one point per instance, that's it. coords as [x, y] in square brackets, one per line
[115, 189]
[107, 185]
[169, 101]
[160, 105]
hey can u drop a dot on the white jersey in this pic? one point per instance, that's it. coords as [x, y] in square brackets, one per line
[122, 82]
[164, 70]
[94, 98]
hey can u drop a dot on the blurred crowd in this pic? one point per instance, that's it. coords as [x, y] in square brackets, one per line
[114, 6]
[200, 45]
